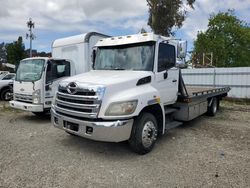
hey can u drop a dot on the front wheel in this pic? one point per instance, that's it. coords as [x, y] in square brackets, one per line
[144, 133]
[6, 95]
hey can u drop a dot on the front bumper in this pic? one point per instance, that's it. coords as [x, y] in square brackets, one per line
[26, 106]
[107, 131]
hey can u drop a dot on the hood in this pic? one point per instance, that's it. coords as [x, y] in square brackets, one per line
[108, 77]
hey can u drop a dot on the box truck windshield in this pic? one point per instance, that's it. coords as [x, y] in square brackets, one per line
[30, 70]
[139, 57]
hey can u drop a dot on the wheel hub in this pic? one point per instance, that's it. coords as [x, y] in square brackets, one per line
[214, 107]
[149, 134]
[7, 96]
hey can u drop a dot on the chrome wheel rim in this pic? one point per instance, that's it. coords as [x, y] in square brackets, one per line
[214, 107]
[149, 134]
[7, 96]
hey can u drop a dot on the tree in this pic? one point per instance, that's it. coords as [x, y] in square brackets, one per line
[166, 14]
[227, 38]
[15, 51]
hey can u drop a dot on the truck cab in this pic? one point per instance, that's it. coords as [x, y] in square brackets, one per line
[36, 81]
[131, 94]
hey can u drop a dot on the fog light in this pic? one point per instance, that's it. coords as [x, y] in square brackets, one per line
[89, 130]
[56, 120]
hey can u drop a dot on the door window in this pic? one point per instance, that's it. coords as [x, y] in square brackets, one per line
[166, 57]
[57, 69]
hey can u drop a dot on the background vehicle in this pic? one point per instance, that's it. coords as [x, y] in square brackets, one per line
[37, 78]
[134, 93]
[5, 89]
[2, 73]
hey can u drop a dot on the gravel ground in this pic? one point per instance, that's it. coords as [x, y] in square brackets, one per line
[206, 152]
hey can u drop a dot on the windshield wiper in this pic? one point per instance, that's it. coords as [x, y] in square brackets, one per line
[118, 68]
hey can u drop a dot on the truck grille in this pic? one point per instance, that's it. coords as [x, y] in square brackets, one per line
[83, 103]
[23, 97]
[85, 92]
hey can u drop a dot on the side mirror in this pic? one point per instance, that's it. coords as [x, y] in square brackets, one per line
[49, 82]
[182, 49]
[47, 85]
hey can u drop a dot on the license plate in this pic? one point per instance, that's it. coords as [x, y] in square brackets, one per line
[71, 126]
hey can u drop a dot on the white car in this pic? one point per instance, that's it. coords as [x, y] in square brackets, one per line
[5, 89]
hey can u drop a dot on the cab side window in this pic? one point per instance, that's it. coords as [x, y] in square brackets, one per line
[57, 69]
[166, 57]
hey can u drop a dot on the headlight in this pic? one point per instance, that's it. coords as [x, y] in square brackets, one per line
[121, 108]
[36, 96]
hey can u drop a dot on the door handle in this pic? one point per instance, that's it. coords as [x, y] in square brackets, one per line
[165, 75]
[174, 80]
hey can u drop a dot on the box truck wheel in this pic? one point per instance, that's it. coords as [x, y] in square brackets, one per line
[212, 109]
[144, 133]
[6, 94]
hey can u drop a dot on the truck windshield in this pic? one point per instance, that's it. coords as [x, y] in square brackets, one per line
[30, 70]
[139, 56]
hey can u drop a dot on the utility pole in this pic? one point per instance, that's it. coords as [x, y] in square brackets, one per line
[30, 35]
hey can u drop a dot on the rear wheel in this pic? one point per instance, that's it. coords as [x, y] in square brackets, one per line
[144, 133]
[6, 95]
[212, 109]
[218, 104]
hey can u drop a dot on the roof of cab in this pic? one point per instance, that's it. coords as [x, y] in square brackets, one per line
[76, 39]
[31, 58]
[131, 39]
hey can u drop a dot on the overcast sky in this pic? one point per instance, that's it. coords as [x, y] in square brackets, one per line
[60, 18]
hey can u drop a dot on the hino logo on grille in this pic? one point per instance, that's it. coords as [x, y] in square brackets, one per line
[72, 88]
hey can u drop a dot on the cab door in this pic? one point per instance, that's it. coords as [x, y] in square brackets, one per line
[167, 75]
[56, 70]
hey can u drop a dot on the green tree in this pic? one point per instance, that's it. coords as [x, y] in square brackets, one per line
[15, 51]
[228, 38]
[166, 14]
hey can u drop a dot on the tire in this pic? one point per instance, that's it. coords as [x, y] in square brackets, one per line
[41, 114]
[6, 95]
[212, 109]
[144, 133]
[218, 104]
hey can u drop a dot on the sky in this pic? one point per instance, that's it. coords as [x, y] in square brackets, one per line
[62, 18]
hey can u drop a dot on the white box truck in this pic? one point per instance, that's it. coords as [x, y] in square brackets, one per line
[134, 93]
[37, 78]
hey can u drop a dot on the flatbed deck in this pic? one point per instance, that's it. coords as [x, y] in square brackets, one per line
[198, 91]
[193, 93]
[195, 101]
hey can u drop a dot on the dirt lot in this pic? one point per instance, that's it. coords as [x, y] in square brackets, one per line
[207, 152]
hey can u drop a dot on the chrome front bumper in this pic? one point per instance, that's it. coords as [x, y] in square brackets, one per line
[27, 106]
[108, 131]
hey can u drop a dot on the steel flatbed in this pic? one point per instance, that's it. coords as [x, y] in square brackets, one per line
[195, 101]
[197, 92]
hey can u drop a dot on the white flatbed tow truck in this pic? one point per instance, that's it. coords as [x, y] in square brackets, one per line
[134, 93]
